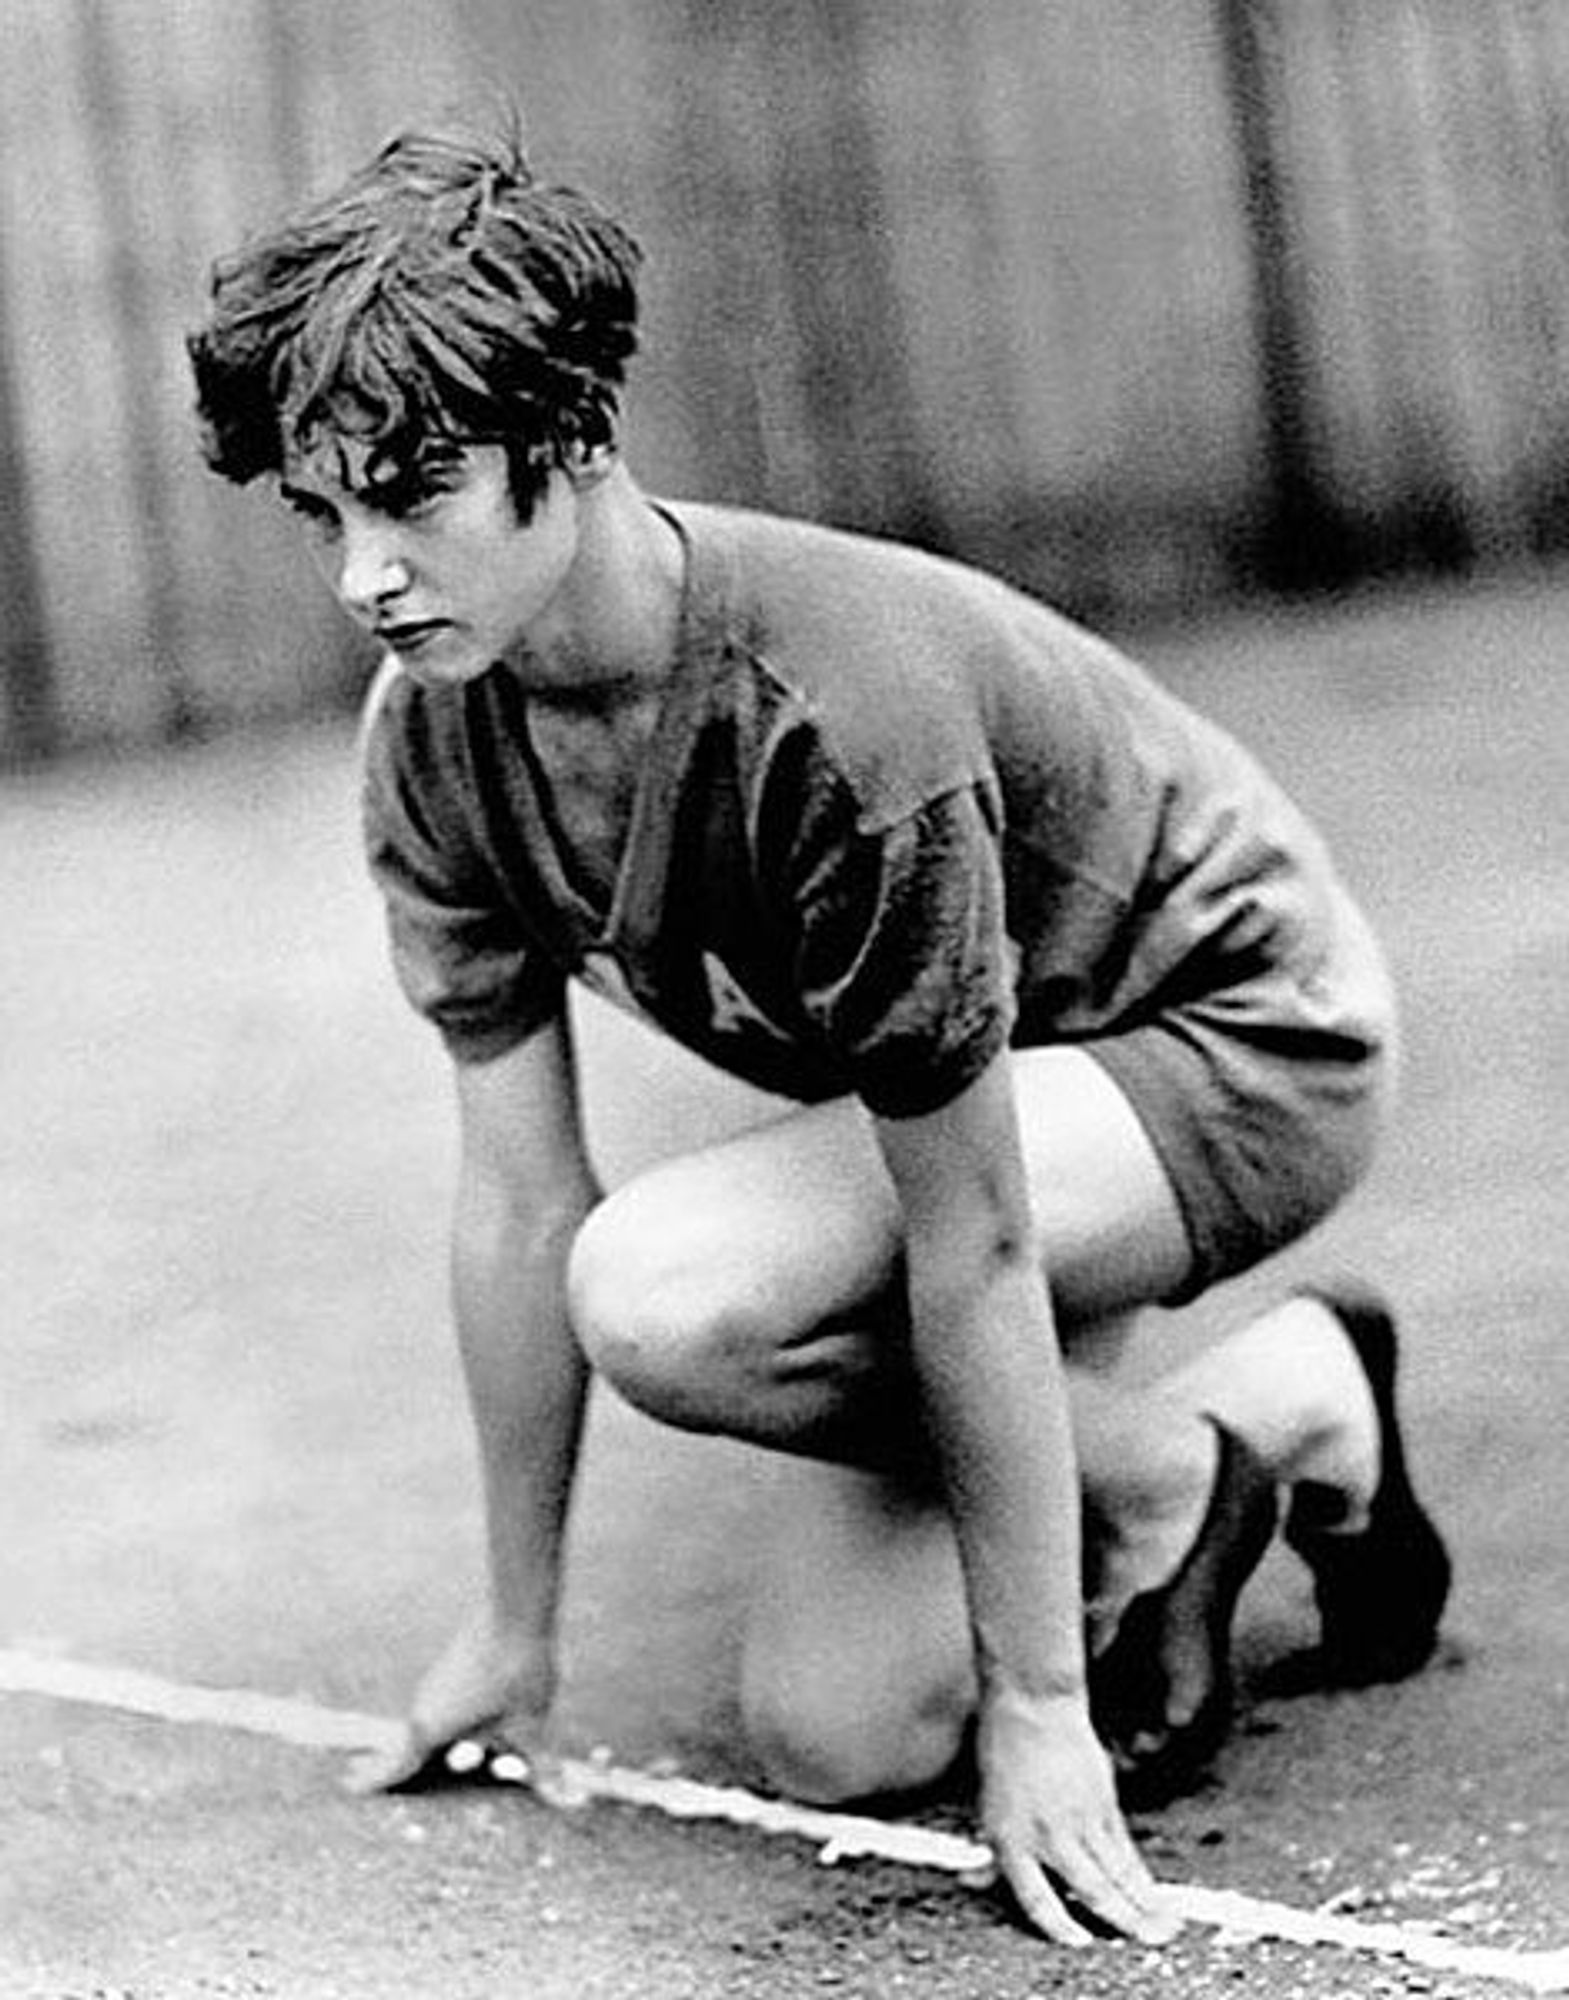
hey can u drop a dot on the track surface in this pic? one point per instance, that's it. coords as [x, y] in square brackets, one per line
[233, 1451]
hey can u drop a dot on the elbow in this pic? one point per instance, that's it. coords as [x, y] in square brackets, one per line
[495, 1221]
[947, 1277]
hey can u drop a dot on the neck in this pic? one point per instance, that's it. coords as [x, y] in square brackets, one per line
[612, 636]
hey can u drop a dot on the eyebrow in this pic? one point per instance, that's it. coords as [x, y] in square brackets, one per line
[402, 480]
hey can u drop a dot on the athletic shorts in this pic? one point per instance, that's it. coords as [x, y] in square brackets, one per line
[1264, 1102]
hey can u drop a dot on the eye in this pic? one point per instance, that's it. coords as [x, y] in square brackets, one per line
[413, 506]
[420, 496]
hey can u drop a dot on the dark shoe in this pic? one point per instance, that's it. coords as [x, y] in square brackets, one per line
[1161, 1693]
[1380, 1592]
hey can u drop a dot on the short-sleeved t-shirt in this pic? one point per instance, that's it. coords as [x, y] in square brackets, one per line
[893, 816]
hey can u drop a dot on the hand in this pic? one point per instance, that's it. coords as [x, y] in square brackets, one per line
[1049, 1805]
[489, 1682]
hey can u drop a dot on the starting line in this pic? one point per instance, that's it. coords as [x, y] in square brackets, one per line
[838, 1836]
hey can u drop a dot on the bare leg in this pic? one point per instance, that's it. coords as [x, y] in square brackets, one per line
[751, 1289]
[1287, 1383]
[856, 1672]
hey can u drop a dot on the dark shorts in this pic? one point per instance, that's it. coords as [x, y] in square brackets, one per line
[1264, 1103]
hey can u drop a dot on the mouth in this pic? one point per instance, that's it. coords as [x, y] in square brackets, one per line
[410, 635]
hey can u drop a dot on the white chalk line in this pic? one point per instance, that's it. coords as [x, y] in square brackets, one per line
[838, 1836]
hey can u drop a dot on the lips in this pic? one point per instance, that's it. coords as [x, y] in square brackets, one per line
[410, 635]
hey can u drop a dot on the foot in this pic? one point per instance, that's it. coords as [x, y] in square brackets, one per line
[1381, 1590]
[1162, 1691]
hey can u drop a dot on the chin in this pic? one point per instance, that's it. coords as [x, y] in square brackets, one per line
[452, 673]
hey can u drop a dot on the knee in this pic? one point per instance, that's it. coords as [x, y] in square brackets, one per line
[650, 1315]
[817, 1737]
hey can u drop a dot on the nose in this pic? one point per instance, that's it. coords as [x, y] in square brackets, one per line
[372, 572]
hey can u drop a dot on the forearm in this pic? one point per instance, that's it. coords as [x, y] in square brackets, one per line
[992, 1385]
[991, 1380]
[527, 1384]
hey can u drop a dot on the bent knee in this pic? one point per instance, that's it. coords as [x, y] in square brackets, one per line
[650, 1314]
[816, 1736]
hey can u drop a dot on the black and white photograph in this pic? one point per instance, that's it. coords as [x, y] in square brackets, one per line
[784, 1033]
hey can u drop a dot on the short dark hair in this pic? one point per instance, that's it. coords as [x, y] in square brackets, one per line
[440, 292]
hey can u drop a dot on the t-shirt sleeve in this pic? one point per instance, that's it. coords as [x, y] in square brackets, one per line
[461, 954]
[905, 965]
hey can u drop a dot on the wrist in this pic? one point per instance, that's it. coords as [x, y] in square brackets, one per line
[530, 1627]
[1046, 1664]
[1004, 1696]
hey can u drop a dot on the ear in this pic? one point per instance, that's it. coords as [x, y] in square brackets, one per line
[591, 464]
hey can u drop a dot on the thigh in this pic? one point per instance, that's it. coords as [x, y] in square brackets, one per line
[778, 1229]
[1111, 1225]
[797, 1221]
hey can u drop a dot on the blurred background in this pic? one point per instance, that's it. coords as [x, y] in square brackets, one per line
[1146, 306]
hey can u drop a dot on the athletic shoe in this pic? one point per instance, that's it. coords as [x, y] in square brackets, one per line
[1161, 1694]
[1381, 1591]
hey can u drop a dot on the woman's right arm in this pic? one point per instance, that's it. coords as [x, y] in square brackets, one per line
[525, 1186]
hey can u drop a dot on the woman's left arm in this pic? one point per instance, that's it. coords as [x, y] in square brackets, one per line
[989, 1369]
